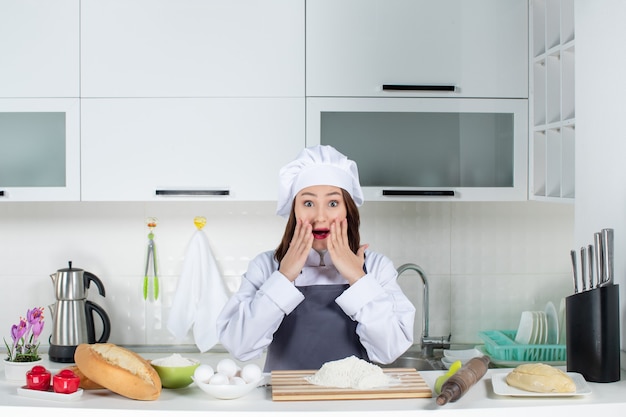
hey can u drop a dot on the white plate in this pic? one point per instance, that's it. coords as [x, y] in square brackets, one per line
[537, 331]
[525, 328]
[553, 324]
[447, 362]
[562, 336]
[229, 392]
[541, 323]
[463, 354]
[49, 395]
[500, 387]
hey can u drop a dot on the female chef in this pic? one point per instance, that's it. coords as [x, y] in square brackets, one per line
[321, 295]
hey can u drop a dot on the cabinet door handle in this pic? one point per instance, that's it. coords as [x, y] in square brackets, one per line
[419, 193]
[418, 87]
[192, 192]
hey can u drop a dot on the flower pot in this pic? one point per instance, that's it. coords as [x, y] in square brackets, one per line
[16, 371]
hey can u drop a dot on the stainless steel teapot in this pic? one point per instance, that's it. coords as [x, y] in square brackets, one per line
[73, 314]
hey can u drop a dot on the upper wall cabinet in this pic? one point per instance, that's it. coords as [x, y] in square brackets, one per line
[39, 43]
[444, 48]
[39, 149]
[432, 149]
[192, 48]
[149, 149]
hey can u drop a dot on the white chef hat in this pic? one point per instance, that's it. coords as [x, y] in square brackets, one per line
[317, 165]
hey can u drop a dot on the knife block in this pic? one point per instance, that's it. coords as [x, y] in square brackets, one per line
[592, 334]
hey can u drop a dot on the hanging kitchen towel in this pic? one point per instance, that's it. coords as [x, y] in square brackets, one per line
[200, 295]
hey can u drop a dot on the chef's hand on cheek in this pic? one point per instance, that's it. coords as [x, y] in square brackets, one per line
[349, 264]
[299, 248]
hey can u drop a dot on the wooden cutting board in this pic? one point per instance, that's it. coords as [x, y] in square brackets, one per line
[292, 386]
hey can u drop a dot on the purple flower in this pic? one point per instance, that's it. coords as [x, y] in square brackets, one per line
[24, 335]
[35, 321]
[19, 330]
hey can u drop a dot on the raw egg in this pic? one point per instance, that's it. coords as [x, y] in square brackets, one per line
[219, 379]
[237, 381]
[251, 373]
[227, 367]
[203, 373]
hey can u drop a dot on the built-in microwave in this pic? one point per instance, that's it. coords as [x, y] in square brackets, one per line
[425, 149]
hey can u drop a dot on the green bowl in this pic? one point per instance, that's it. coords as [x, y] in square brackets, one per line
[175, 376]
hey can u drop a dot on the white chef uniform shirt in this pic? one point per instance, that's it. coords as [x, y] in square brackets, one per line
[384, 314]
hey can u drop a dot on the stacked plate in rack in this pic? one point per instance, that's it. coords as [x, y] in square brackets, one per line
[539, 327]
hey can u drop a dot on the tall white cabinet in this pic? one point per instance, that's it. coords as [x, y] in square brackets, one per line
[190, 99]
[39, 100]
[552, 115]
[429, 97]
[600, 146]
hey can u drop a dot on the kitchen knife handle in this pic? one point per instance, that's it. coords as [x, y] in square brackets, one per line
[583, 267]
[418, 87]
[215, 192]
[574, 270]
[1, 193]
[607, 243]
[419, 193]
[597, 253]
[590, 263]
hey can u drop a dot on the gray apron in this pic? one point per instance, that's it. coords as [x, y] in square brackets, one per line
[315, 332]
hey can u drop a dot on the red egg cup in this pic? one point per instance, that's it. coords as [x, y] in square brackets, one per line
[65, 382]
[38, 378]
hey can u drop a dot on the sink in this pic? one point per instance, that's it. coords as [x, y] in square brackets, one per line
[418, 363]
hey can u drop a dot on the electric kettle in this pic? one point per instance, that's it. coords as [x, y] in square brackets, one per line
[73, 314]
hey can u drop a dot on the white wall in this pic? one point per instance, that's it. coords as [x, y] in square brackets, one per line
[486, 261]
[600, 138]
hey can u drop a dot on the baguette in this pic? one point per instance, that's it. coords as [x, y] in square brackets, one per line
[539, 377]
[85, 383]
[119, 370]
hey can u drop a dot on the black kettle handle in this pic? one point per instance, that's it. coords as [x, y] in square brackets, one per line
[106, 323]
[89, 277]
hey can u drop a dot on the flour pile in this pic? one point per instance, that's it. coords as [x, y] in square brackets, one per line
[350, 372]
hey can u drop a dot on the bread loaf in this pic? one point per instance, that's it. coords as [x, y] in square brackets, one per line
[119, 370]
[539, 377]
[85, 383]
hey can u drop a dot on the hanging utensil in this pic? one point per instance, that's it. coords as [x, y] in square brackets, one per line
[151, 222]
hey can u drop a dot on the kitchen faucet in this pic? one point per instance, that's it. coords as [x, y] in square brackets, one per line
[427, 343]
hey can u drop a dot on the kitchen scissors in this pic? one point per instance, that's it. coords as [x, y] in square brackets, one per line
[151, 222]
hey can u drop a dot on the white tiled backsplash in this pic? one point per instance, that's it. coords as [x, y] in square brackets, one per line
[486, 262]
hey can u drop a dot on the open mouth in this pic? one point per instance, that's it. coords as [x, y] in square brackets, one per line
[321, 233]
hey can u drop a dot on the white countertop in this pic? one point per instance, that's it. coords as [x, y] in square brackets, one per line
[479, 401]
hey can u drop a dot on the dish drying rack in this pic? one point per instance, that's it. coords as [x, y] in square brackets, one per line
[501, 345]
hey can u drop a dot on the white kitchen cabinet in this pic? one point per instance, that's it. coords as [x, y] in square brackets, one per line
[552, 116]
[447, 48]
[192, 48]
[39, 43]
[39, 149]
[428, 149]
[188, 149]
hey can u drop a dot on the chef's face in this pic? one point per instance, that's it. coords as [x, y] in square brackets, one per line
[320, 205]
